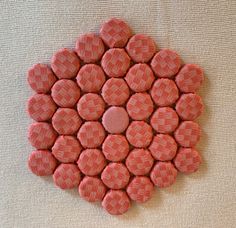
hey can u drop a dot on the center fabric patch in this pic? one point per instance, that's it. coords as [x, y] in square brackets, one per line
[114, 117]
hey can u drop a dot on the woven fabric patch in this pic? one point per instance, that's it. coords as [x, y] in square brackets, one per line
[114, 117]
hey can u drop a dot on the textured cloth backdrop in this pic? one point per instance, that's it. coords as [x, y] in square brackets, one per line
[202, 32]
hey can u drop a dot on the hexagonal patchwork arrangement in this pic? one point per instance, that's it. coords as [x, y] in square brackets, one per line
[114, 117]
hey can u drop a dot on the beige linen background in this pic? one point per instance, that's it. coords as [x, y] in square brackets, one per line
[202, 32]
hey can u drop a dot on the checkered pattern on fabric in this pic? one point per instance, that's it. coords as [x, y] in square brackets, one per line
[92, 189]
[166, 63]
[140, 106]
[66, 121]
[41, 78]
[91, 134]
[65, 93]
[163, 174]
[164, 120]
[189, 106]
[89, 47]
[115, 91]
[41, 107]
[140, 189]
[139, 161]
[115, 176]
[67, 176]
[41, 135]
[140, 77]
[42, 163]
[91, 106]
[141, 48]
[116, 202]
[91, 162]
[188, 134]
[115, 33]
[164, 92]
[115, 62]
[187, 160]
[90, 78]
[65, 63]
[66, 149]
[115, 147]
[163, 147]
[139, 134]
[190, 78]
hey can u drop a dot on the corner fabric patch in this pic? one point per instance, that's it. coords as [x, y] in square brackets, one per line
[114, 117]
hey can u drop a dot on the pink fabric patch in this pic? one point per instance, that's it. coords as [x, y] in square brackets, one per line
[189, 106]
[139, 161]
[91, 106]
[90, 78]
[42, 162]
[65, 63]
[92, 189]
[66, 121]
[164, 92]
[116, 202]
[163, 147]
[115, 62]
[91, 134]
[140, 189]
[139, 134]
[89, 47]
[91, 162]
[117, 115]
[115, 91]
[140, 106]
[115, 176]
[163, 174]
[41, 107]
[166, 63]
[141, 48]
[115, 33]
[187, 160]
[41, 78]
[115, 147]
[65, 93]
[115, 120]
[140, 77]
[66, 149]
[67, 176]
[41, 135]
